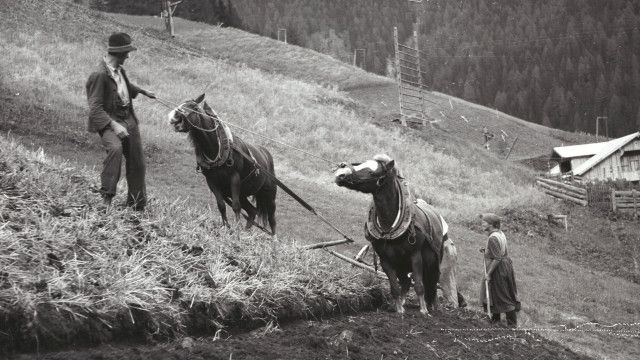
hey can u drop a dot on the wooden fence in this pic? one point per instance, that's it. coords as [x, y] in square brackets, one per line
[626, 201]
[563, 191]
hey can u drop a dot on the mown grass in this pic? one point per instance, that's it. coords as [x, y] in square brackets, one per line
[69, 265]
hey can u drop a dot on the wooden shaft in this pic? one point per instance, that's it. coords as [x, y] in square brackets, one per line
[326, 244]
[358, 264]
[486, 285]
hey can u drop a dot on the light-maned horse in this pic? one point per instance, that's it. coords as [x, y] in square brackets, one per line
[229, 164]
[407, 237]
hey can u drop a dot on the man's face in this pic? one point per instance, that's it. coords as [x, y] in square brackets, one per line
[121, 57]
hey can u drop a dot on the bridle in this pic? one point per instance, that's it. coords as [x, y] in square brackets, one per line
[378, 180]
[192, 112]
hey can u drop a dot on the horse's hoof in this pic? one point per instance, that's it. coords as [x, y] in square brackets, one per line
[425, 313]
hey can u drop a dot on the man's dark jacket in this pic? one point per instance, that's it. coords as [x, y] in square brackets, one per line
[104, 102]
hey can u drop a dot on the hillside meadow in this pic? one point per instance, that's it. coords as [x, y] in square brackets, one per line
[304, 115]
[179, 264]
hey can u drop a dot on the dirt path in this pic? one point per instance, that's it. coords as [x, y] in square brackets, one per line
[456, 334]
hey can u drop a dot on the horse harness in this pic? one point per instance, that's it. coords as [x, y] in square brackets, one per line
[403, 220]
[226, 145]
[406, 222]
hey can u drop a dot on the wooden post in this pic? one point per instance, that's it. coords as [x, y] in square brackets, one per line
[165, 15]
[168, 8]
[635, 205]
[403, 121]
[511, 148]
[613, 199]
[359, 58]
[282, 35]
[606, 125]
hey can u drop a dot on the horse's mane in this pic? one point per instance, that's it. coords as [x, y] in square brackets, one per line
[382, 157]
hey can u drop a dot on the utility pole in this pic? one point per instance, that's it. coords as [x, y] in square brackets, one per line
[168, 8]
[606, 126]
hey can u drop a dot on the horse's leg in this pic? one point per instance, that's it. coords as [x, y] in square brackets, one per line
[416, 266]
[235, 184]
[394, 283]
[222, 207]
[405, 285]
[272, 214]
[251, 211]
[431, 275]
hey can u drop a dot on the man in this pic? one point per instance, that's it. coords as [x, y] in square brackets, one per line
[111, 115]
[503, 293]
[448, 273]
[448, 266]
[487, 137]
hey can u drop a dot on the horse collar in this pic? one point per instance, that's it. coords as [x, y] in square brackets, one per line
[225, 144]
[403, 218]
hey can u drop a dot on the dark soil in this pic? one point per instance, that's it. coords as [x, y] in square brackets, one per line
[457, 334]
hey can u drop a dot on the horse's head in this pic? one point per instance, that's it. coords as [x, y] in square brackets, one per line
[366, 177]
[189, 115]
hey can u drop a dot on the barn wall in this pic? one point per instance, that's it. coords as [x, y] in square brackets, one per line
[626, 167]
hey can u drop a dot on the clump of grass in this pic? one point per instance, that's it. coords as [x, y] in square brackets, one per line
[69, 265]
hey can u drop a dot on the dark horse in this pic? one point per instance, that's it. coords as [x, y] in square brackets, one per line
[233, 168]
[407, 237]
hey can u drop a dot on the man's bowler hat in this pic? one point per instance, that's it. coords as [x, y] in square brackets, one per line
[120, 43]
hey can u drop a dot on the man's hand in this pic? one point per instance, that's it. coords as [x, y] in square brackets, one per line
[120, 130]
[149, 94]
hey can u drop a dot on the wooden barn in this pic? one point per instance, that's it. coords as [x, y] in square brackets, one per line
[617, 159]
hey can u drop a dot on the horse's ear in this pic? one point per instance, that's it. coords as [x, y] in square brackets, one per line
[390, 165]
[199, 99]
[207, 109]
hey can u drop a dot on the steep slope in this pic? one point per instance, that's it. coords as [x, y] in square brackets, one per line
[43, 103]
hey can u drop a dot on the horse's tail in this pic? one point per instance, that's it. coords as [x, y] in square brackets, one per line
[265, 199]
[263, 205]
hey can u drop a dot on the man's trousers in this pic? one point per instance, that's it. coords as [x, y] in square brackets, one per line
[131, 148]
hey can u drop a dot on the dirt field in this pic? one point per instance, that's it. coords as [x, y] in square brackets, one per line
[449, 334]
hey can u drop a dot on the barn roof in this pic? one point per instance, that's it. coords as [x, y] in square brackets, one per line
[573, 151]
[607, 149]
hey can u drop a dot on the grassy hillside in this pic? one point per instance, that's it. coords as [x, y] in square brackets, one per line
[43, 104]
[301, 114]
[260, 52]
[449, 113]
